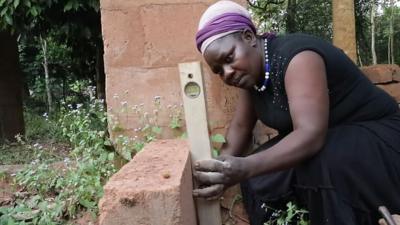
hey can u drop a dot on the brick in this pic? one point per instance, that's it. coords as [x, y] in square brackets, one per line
[154, 188]
[393, 89]
[395, 71]
[378, 74]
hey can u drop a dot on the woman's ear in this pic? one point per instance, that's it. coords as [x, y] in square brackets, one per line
[249, 37]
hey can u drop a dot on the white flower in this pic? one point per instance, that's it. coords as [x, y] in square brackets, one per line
[124, 103]
[79, 106]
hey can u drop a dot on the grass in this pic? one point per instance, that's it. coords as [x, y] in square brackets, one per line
[42, 134]
[16, 153]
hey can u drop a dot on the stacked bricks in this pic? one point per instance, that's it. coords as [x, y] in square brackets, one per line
[155, 188]
[386, 77]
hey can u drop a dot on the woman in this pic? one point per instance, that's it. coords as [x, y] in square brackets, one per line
[339, 136]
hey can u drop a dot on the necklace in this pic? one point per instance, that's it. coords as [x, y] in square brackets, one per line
[266, 69]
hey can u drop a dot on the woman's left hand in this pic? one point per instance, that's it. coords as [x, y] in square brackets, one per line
[215, 175]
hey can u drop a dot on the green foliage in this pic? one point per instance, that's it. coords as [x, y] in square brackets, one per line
[20, 15]
[217, 140]
[273, 15]
[148, 128]
[59, 194]
[41, 127]
[292, 215]
[383, 33]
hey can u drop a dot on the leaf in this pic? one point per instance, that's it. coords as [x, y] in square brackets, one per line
[4, 11]
[2, 2]
[86, 203]
[110, 156]
[156, 129]
[218, 138]
[34, 12]
[9, 19]
[215, 152]
[27, 3]
[107, 143]
[16, 3]
[68, 6]
[26, 215]
[184, 135]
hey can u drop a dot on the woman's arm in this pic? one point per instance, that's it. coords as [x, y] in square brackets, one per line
[307, 92]
[240, 129]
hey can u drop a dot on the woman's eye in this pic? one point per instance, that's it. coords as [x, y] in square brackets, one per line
[229, 58]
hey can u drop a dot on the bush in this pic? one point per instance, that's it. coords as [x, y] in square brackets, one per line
[59, 194]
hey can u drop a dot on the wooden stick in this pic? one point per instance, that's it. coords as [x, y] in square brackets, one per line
[208, 212]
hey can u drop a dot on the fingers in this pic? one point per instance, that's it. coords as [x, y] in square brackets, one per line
[211, 165]
[382, 222]
[206, 178]
[210, 192]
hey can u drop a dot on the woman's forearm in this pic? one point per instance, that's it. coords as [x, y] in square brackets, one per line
[290, 151]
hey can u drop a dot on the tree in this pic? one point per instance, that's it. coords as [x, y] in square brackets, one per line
[11, 118]
[74, 18]
[373, 52]
[344, 31]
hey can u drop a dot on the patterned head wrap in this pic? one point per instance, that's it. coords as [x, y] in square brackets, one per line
[220, 19]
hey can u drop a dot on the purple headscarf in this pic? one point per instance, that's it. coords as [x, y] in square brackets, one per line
[221, 19]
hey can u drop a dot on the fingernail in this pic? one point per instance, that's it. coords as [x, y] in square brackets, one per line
[196, 165]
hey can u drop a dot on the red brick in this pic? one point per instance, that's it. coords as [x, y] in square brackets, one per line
[155, 188]
[378, 73]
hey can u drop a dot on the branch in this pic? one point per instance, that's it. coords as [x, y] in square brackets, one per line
[268, 2]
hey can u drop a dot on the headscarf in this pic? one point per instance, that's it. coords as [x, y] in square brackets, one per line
[220, 19]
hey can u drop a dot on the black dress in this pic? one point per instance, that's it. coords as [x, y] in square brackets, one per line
[358, 168]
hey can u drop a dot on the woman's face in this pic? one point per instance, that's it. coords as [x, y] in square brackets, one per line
[236, 59]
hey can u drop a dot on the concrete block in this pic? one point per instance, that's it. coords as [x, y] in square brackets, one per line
[154, 188]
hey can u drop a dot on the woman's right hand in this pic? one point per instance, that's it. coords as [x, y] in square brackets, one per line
[216, 175]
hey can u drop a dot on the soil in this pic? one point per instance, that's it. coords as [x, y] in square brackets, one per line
[6, 192]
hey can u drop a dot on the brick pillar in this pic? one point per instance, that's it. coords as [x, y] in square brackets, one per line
[11, 112]
[144, 41]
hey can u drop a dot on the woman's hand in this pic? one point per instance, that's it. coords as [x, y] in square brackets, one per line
[215, 175]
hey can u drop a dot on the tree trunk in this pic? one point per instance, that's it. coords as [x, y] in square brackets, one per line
[344, 31]
[11, 110]
[100, 75]
[360, 63]
[373, 52]
[45, 64]
[291, 16]
[391, 33]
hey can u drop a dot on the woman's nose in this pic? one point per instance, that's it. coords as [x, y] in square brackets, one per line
[228, 72]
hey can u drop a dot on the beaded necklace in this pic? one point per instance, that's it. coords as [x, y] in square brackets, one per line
[266, 69]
